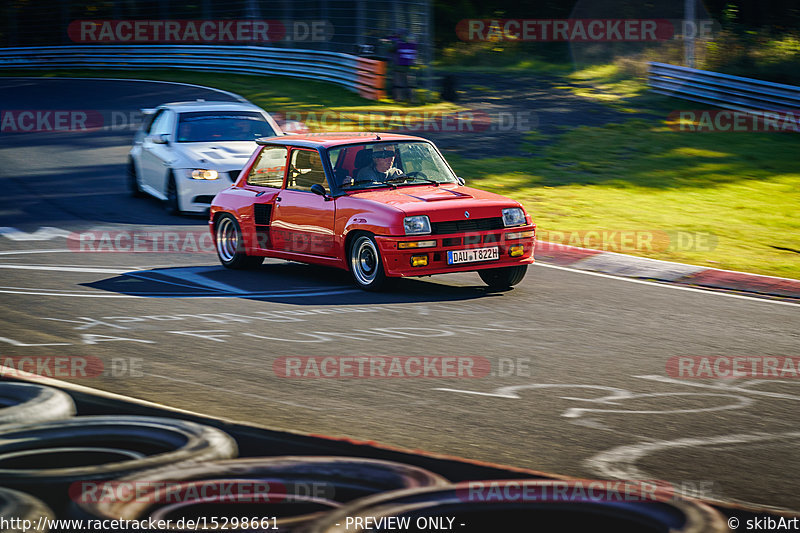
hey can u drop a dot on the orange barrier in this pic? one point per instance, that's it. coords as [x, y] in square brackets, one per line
[371, 78]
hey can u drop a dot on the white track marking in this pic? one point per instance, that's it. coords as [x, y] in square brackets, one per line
[620, 462]
[42, 234]
[327, 293]
[88, 294]
[194, 275]
[58, 251]
[669, 285]
[98, 270]
[613, 399]
[723, 387]
[144, 276]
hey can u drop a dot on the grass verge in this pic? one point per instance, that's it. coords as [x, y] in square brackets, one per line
[722, 200]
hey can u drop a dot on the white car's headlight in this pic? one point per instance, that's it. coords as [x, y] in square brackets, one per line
[417, 225]
[202, 174]
[513, 216]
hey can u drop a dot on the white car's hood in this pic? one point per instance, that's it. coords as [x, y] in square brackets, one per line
[231, 155]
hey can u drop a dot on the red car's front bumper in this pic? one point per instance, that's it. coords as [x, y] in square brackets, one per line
[397, 262]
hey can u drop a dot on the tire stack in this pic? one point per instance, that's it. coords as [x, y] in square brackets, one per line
[57, 465]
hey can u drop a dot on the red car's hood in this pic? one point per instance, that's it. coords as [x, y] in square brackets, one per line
[430, 199]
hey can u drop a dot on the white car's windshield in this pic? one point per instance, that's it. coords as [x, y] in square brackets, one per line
[215, 126]
[388, 164]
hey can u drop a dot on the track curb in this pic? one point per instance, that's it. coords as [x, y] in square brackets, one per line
[654, 269]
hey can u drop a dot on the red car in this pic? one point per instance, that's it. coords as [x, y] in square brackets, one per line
[379, 205]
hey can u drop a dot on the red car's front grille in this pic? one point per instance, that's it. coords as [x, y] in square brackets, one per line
[458, 226]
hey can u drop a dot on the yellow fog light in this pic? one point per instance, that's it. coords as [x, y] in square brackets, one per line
[416, 244]
[516, 250]
[519, 235]
[419, 260]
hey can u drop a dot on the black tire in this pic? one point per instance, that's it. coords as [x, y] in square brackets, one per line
[172, 204]
[504, 277]
[15, 504]
[229, 244]
[29, 403]
[334, 480]
[366, 264]
[133, 180]
[494, 513]
[46, 458]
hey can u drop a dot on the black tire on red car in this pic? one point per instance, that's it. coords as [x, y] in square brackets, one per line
[230, 244]
[133, 180]
[503, 278]
[366, 265]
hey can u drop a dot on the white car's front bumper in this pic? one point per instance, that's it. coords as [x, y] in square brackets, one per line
[195, 196]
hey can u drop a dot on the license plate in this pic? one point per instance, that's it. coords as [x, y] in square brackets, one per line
[473, 255]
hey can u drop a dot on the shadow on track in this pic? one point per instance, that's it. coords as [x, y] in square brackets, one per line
[292, 283]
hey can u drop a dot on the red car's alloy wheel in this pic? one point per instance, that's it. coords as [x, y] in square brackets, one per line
[227, 239]
[230, 247]
[365, 264]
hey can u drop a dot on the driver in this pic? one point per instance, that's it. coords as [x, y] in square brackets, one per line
[382, 167]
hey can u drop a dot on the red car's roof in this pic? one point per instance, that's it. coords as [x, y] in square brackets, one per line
[326, 140]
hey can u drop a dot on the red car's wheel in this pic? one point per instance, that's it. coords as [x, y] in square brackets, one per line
[503, 278]
[230, 245]
[366, 265]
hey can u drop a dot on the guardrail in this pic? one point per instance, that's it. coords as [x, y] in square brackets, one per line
[364, 76]
[722, 90]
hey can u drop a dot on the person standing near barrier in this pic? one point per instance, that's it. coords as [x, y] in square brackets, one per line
[403, 58]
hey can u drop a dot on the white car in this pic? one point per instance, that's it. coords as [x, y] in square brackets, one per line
[186, 152]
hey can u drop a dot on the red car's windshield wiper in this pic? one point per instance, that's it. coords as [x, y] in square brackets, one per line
[373, 182]
[406, 177]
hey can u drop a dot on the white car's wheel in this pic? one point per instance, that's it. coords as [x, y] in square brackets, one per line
[132, 179]
[172, 204]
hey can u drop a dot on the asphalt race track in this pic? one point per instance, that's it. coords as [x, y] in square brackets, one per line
[579, 384]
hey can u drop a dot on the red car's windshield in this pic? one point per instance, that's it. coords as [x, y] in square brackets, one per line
[388, 163]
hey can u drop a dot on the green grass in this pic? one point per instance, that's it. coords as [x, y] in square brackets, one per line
[742, 188]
